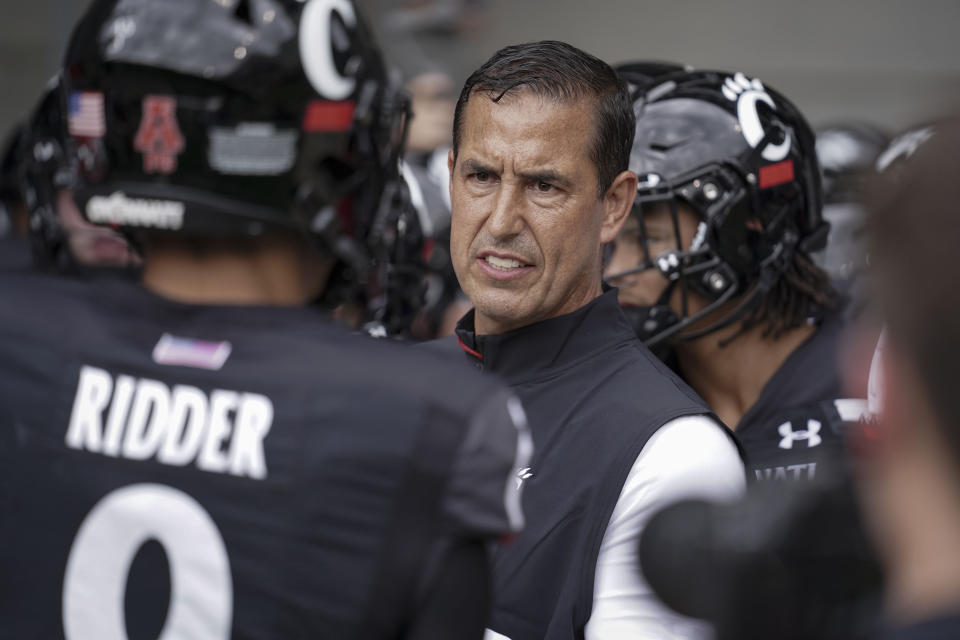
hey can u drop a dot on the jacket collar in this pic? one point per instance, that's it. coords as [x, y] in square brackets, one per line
[550, 344]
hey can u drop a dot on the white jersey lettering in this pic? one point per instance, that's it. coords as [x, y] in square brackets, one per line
[146, 420]
[188, 419]
[93, 394]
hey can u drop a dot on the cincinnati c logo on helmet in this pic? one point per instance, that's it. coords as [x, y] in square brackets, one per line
[317, 40]
[747, 93]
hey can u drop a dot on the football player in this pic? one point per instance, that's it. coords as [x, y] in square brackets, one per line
[714, 264]
[202, 455]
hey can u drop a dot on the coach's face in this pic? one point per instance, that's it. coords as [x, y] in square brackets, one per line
[528, 223]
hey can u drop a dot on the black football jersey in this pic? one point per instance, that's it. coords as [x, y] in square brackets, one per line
[944, 627]
[795, 430]
[14, 253]
[228, 472]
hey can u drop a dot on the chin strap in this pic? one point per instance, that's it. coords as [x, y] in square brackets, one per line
[770, 271]
[683, 323]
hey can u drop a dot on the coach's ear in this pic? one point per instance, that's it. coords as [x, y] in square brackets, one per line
[617, 203]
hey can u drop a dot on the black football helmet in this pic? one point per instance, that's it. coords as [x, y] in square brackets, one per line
[403, 271]
[421, 282]
[847, 153]
[641, 74]
[429, 183]
[233, 117]
[11, 179]
[61, 240]
[742, 157]
[44, 172]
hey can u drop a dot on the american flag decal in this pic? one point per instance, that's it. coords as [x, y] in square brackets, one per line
[85, 117]
[188, 352]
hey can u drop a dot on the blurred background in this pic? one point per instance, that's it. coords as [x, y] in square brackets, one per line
[890, 62]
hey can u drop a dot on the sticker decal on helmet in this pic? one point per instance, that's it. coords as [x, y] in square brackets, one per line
[85, 114]
[776, 174]
[648, 181]
[323, 116]
[252, 149]
[316, 47]
[747, 93]
[120, 209]
[159, 138]
[119, 31]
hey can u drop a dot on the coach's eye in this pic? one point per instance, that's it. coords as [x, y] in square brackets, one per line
[544, 187]
[481, 176]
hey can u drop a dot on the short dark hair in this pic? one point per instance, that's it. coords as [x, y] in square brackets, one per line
[561, 72]
[914, 227]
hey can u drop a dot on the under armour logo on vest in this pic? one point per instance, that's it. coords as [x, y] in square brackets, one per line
[159, 138]
[811, 434]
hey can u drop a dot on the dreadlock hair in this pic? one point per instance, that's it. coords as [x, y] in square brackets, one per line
[802, 292]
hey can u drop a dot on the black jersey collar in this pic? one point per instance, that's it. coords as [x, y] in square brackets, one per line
[597, 326]
[808, 375]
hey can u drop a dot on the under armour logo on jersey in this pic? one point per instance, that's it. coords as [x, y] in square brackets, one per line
[522, 475]
[747, 93]
[811, 434]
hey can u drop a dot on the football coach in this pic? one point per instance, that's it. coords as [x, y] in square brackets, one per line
[539, 183]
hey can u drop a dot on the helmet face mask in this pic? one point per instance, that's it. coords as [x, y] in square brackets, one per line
[745, 170]
[679, 244]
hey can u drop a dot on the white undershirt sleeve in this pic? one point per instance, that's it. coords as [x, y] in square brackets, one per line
[690, 457]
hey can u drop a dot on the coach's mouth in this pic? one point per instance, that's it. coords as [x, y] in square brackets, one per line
[503, 266]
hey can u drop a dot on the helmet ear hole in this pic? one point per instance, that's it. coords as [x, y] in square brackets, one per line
[717, 281]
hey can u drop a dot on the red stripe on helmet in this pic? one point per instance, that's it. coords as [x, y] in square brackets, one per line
[324, 116]
[774, 174]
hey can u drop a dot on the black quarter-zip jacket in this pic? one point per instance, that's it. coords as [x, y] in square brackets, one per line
[594, 395]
